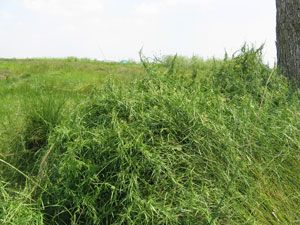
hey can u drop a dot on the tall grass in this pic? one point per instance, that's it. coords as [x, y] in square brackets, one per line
[192, 142]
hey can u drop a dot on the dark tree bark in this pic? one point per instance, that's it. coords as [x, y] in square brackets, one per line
[288, 37]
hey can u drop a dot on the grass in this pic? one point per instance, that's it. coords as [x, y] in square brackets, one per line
[184, 141]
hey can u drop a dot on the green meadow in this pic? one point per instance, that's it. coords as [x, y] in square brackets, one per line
[165, 141]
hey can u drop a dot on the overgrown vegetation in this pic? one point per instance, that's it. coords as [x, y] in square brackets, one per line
[189, 142]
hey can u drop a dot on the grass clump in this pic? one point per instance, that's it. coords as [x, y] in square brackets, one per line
[214, 143]
[41, 114]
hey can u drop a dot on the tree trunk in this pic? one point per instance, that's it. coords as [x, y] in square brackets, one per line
[288, 37]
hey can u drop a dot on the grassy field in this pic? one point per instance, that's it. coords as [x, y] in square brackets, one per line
[169, 141]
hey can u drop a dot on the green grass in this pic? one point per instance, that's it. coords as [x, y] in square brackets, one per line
[182, 141]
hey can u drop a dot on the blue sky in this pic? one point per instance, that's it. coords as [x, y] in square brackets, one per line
[117, 29]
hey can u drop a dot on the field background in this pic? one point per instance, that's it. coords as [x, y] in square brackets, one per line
[166, 141]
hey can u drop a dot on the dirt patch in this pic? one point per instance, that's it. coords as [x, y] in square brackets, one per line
[4, 74]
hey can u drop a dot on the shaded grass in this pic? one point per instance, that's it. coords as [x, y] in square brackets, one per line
[192, 142]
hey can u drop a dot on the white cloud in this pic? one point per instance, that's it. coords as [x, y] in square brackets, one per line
[6, 15]
[65, 7]
[148, 8]
[156, 6]
[187, 2]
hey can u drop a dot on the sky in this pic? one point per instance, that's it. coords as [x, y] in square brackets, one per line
[118, 29]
